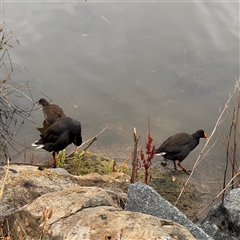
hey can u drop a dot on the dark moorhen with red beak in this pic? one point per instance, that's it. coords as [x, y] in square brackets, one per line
[59, 135]
[178, 146]
[51, 111]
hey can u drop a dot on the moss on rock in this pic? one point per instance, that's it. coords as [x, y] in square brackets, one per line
[165, 182]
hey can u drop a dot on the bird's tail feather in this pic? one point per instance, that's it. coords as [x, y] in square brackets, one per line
[160, 154]
[37, 145]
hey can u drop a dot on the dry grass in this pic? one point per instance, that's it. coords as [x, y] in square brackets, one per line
[230, 143]
[10, 112]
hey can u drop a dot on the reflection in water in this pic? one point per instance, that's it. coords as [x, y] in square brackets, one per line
[110, 63]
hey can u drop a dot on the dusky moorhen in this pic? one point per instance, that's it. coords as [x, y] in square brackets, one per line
[51, 111]
[59, 135]
[178, 146]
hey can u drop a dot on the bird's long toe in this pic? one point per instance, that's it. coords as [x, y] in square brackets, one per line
[183, 168]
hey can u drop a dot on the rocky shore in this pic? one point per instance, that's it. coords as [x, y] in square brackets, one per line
[53, 204]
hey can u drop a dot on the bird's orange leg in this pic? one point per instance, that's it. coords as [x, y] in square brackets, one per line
[175, 166]
[182, 167]
[54, 160]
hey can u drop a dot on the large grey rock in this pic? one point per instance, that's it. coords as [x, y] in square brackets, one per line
[143, 198]
[223, 220]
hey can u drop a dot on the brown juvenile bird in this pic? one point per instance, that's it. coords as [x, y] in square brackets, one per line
[51, 111]
[178, 146]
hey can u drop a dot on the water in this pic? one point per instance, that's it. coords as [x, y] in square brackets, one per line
[110, 63]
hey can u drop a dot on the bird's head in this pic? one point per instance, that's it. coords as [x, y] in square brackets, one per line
[43, 102]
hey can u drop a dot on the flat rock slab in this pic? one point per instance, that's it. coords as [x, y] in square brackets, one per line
[88, 213]
[24, 184]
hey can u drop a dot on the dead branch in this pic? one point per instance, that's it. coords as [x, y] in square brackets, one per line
[219, 194]
[235, 122]
[91, 140]
[134, 159]
[210, 137]
[228, 156]
[5, 179]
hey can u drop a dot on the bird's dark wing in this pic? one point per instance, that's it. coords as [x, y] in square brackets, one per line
[175, 143]
[52, 133]
[60, 143]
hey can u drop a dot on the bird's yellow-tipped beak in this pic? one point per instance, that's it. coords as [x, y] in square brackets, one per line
[205, 136]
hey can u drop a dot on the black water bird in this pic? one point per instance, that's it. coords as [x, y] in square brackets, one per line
[59, 135]
[178, 146]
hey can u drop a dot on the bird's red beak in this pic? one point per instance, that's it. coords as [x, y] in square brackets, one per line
[205, 136]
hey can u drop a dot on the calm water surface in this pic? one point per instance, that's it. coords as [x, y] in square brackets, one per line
[112, 62]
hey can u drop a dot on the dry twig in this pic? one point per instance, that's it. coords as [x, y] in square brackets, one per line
[134, 176]
[91, 140]
[5, 179]
[219, 194]
[219, 121]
